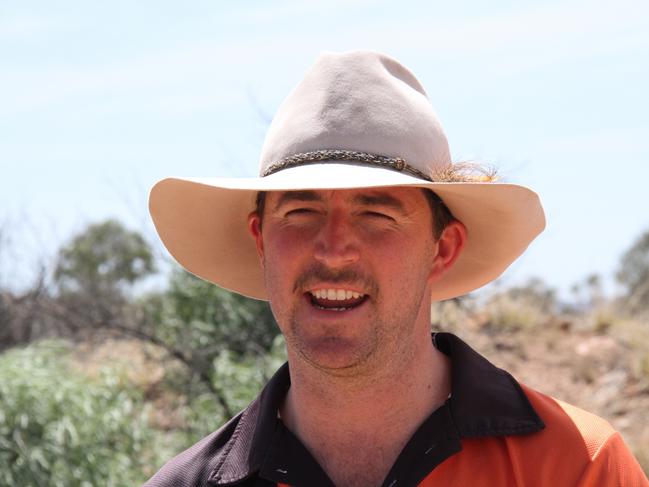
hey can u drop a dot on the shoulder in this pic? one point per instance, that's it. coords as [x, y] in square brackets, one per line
[569, 425]
[194, 466]
[576, 444]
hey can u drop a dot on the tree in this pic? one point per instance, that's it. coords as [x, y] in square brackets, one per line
[103, 259]
[633, 274]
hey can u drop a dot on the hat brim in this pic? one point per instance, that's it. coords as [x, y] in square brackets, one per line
[203, 222]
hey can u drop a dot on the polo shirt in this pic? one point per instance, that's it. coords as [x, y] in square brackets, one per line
[491, 431]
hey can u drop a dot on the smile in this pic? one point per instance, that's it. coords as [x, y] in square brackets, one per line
[336, 299]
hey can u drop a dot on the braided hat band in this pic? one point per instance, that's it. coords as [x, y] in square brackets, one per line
[335, 155]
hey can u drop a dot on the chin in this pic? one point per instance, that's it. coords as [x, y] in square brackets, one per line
[336, 356]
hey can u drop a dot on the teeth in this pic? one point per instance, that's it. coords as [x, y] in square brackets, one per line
[335, 294]
[332, 309]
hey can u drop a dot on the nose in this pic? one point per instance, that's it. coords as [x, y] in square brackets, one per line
[336, 244]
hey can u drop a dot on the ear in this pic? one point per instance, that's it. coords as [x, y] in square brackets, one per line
[254, 227]
[449, 246]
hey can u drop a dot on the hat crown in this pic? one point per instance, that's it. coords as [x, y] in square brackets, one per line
[358, 101]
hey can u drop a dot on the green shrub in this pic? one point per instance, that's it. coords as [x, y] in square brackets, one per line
[202, 319]
[60, 428]
[513, 313]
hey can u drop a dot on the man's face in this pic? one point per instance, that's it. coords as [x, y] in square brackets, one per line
[348, 272]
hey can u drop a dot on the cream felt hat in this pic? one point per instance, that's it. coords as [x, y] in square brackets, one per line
[356, 120]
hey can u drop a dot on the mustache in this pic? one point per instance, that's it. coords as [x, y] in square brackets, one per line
[318, 272]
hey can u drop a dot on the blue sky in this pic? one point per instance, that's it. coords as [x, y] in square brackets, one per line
[99, 100]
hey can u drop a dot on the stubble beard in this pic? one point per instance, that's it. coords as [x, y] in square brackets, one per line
[327, 349]
[325, 346]
[336, 355]
[384, 348]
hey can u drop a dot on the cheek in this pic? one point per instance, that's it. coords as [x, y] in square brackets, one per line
[286, 245]
[411, 259]
[284, 251]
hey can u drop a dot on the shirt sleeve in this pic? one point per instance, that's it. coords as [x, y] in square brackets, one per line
[613, 466]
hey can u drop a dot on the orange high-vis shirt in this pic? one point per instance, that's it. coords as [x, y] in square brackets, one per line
[576, 449]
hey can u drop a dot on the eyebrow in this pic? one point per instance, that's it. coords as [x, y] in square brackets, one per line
[383, 200]
[290, 196]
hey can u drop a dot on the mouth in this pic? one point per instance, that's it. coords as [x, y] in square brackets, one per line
[336, 299]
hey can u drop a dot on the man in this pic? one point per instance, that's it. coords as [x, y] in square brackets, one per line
[357, 222]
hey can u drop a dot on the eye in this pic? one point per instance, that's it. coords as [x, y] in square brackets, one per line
[299, 211]
[378, 215]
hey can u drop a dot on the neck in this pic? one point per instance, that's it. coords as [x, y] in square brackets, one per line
[338, 417]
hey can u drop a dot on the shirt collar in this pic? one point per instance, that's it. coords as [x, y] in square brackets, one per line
[485, 401]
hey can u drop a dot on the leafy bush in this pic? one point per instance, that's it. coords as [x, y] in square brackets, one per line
[197, 315]
[523, 307]
[242, 378]
[511, 314]
[60, 428]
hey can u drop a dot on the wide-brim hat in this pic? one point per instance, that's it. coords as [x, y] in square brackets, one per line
[357, 120]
